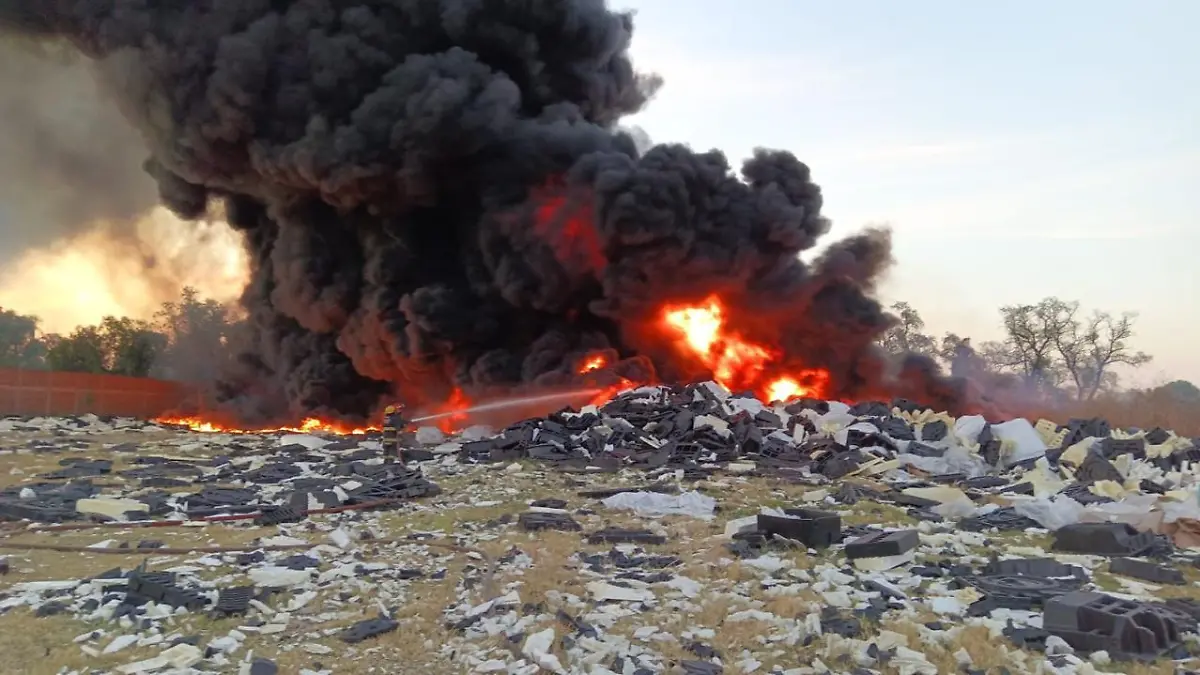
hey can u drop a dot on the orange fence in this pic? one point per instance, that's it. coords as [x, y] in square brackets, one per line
[41, 392]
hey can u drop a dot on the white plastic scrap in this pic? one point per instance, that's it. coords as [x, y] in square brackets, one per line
[430, 436]
[1051, 513]
[120, 642]
[180, 656]
[956, 460]
[307, 440]
[110, 507]
[952, 502]
[715, 423]
[717, 390]
[689, 503]
[885, 562]
[537, 649]
[602, 591]
[752, 406]
[1027, 442]
[911, 662]
[340, 538]
[278, 577]
[968, 428]
[843, 434]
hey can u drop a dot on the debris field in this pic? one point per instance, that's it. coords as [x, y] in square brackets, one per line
[671, 530]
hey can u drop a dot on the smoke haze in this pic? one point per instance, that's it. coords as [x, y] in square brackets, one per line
[436, 193]
[67, 157]
[81, 235]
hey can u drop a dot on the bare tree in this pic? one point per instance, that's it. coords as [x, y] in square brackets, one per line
[906, 335]
[1033, 335]
[1000, 356]
[1048, 344]
[1090, 348]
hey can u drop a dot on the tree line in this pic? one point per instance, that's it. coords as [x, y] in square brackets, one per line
[184, 341]
[1052, 348]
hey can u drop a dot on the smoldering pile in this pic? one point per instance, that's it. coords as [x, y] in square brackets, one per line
[703, 429]
[436, 195]
[894, 452]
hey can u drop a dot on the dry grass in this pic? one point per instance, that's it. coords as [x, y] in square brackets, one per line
[1107, 581]
[33, 565]
[44, 645]
[1143, 410]
[554, 565]
[23, 466]
[409, 649]
[874, 513]
[1158, 668]
[28, 643]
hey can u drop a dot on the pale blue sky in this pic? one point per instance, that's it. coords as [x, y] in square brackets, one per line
[1018, 149]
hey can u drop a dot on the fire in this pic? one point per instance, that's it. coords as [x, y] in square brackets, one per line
[736, 363]
[591, 363]
[606, 394]
[457, 402]
[785, 389]
[80, 280]
[566, 226]
[308, 426]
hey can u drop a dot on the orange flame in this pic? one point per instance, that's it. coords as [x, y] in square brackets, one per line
[457, 402]
[591, 363]
[608, 393]
[736, 363]
[594, 362]
[566, 226]
[308, 426]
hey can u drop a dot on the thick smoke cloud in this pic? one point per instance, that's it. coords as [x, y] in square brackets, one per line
[436, 193]
[73, 188]
[68, 159]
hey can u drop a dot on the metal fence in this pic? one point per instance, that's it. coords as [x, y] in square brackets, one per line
[41, 392]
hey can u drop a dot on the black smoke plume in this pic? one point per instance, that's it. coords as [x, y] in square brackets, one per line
[436, 194]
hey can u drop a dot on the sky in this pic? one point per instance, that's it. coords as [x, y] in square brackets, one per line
[1018, 150]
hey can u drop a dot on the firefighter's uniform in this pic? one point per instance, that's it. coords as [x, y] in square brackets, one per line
[393, 423]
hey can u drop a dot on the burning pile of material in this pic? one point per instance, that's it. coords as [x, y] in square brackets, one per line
[436, 197]
[1017, 531]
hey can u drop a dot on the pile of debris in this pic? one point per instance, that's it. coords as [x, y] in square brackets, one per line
[1114, 503]
[277, 484]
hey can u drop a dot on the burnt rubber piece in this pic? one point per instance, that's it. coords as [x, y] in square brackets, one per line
[883, 544]
[1116, 539]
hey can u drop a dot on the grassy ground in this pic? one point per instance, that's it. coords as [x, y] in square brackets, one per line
[45, 645]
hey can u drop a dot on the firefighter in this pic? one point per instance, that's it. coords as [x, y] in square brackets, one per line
[393, 424]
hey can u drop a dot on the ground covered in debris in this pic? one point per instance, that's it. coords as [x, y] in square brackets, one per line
[682, 530]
